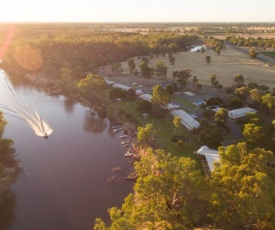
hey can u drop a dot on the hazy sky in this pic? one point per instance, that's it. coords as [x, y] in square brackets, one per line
[137, 11]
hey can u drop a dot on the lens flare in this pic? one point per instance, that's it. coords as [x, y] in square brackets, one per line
[28, 57]
[7, 41]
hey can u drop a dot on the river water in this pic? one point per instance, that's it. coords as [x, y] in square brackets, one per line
[64, 183]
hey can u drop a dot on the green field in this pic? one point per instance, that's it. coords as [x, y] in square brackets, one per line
[270, 54]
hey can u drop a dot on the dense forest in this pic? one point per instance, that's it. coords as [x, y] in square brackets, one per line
[249, 42]
[48, 48]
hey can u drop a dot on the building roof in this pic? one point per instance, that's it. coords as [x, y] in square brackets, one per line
[109, 82]
[211, 156]
[146, 97]
[238, 113]
[171, 106]
[186, 119]
[139, 92]
[118, 85]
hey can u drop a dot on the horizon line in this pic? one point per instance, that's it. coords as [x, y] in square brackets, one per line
[134, 22]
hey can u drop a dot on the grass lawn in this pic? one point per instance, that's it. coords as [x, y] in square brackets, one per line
[270, 54]
[183, 102]
[164, 129]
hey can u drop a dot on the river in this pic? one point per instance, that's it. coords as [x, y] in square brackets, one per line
[64, 183]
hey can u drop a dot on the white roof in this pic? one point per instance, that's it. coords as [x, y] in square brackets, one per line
[172, 106]
[146, 97]
[187, 120]
[237, 113]
[118, 85]
[189, 94]
[210, 155]
[139, 91]
[109, 82]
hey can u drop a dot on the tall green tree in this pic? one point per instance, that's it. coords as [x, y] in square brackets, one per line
[91, 84]
[239, 80]
[116, 66]
[146, 71]
[252, 53]
[144, 134]
[160, 96]
[222, 114]
[241, 191]
[211, 136]
[177, 123]
[269, 101]
[253, 132]
[131, 64]
[160, 70]
[208, 59]
[163, 195]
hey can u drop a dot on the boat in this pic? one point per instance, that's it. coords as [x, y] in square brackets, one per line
[128, 154]
[46, 136]
[126, 145]
[123, 136]
[125, 142]
[117, 129]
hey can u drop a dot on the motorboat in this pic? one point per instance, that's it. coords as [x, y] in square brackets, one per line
[117, 129]
[46, 136]
[123, 136]
[128, 154]
[125, 142]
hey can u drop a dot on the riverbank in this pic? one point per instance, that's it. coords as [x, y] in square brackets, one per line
[11, 174]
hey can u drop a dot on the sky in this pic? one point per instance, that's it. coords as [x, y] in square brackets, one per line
[137, 11]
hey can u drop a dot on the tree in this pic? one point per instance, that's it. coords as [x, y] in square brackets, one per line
[269, 101]
[253, 132]
[218, 50]
[264, 88]
[170, 89]
[208, 59]
[145, 59]
[131, 64]
[241, 189]
[160, 96]
[66, 83]
[144, 134]
[172, 60]
[211, 136]
[252, 53]
[91, 84]
[177, 123]
[160, 69]
[146, 71]
[256, 96]
[213, 79]
[235, 103]
[239, 80]
[116, 66]
[78, 73]
[208, 113]
[163, 195]
[242, 91]
[222, 114]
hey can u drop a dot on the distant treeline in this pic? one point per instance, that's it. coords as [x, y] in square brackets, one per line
[70, 46]
[249, 42]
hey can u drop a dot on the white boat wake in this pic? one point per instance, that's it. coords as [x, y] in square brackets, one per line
[12, 103]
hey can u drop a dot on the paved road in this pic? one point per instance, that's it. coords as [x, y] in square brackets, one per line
[263, 58]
